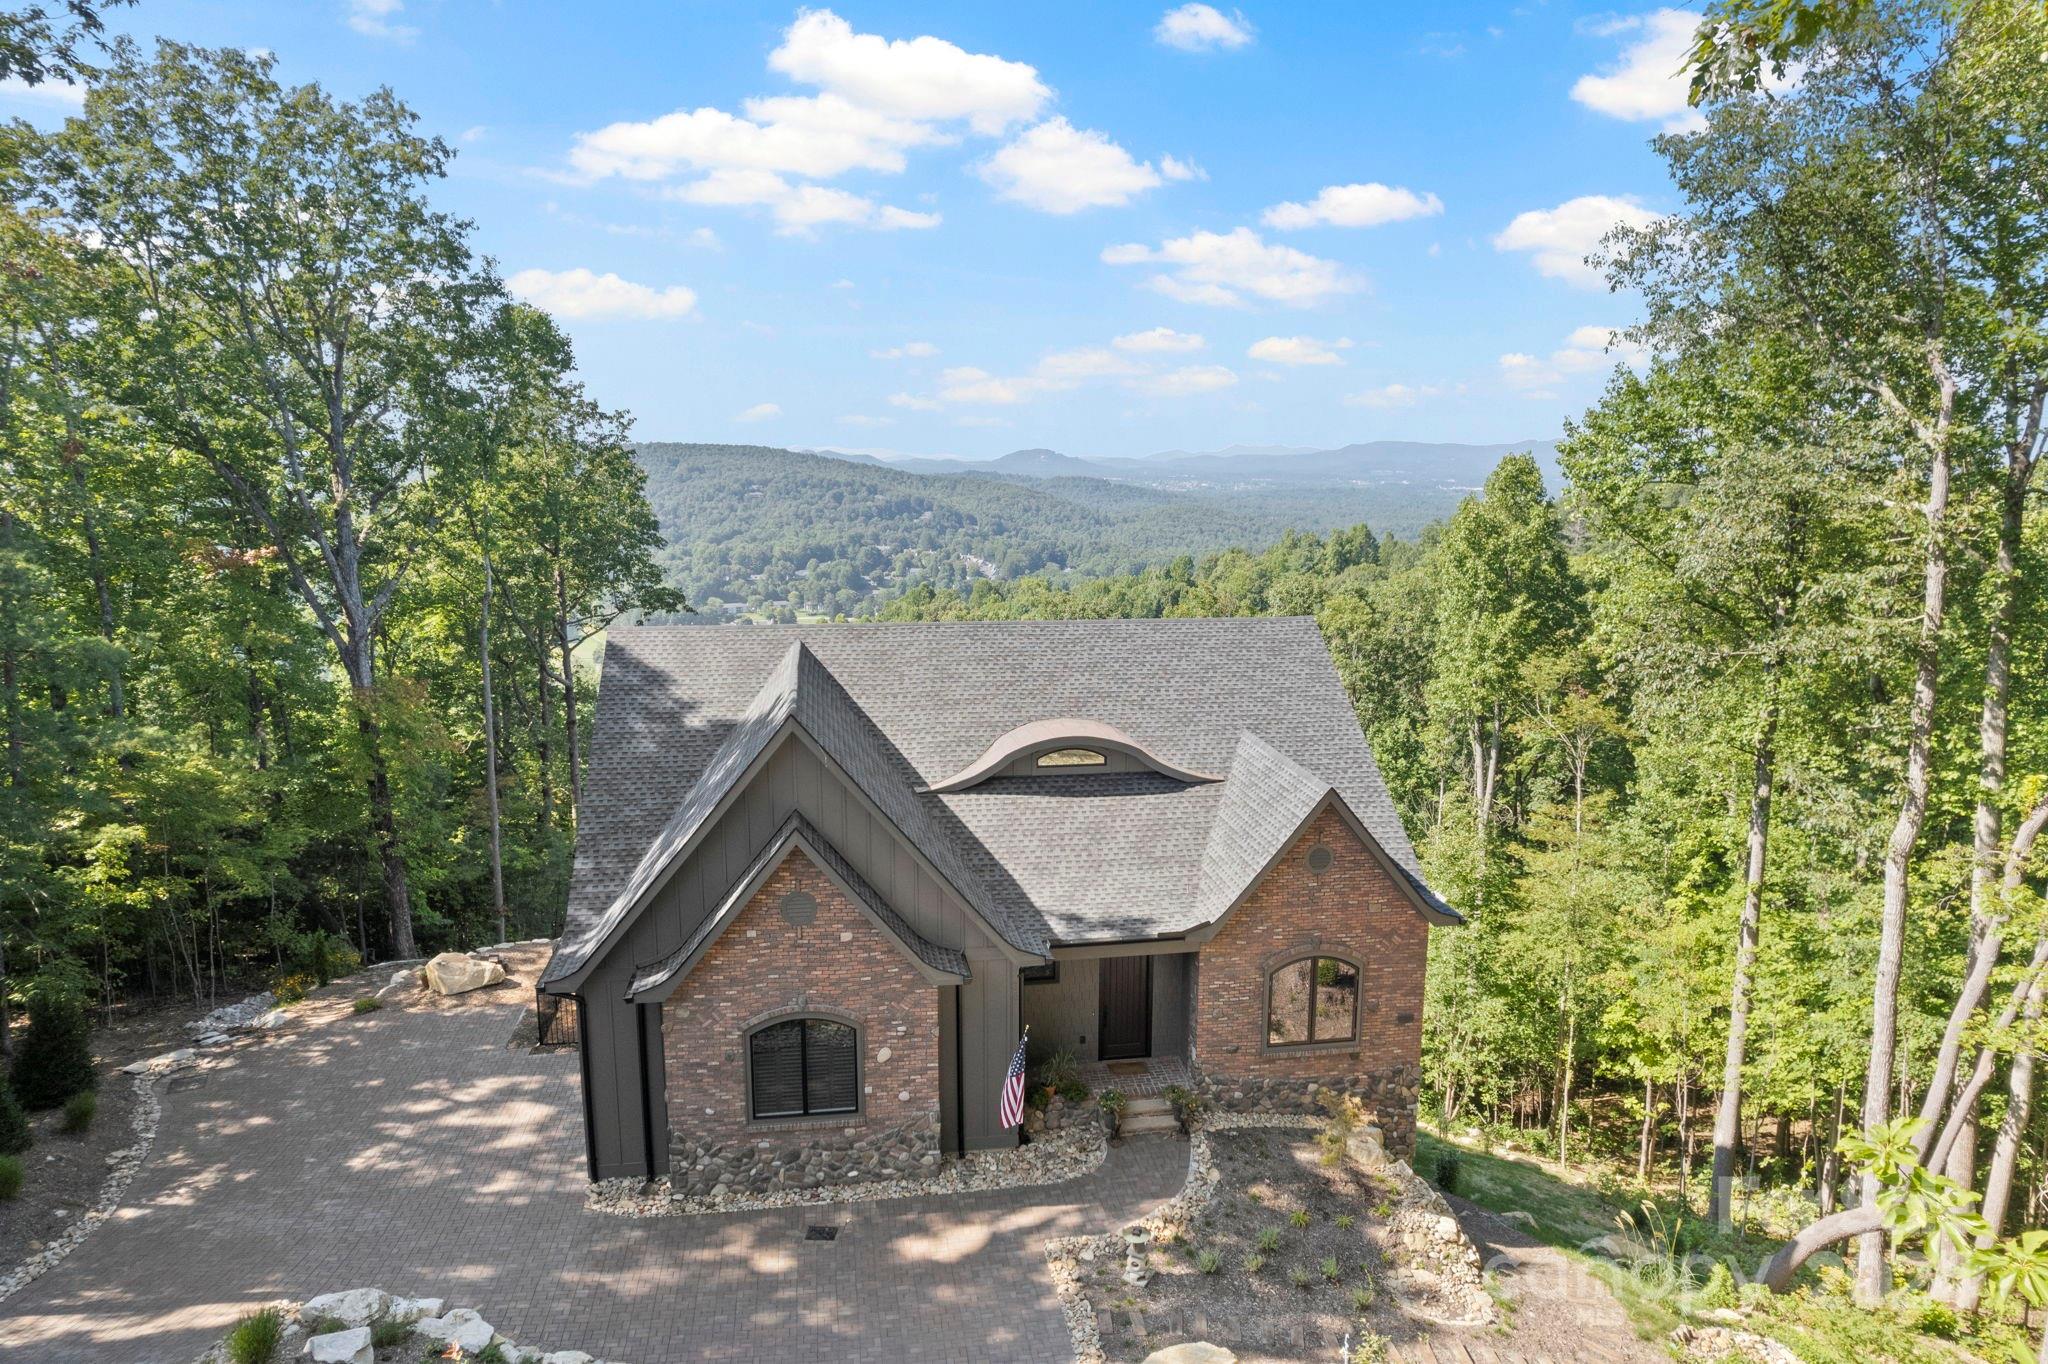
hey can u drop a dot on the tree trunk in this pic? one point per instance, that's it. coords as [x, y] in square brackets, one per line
[491, 753]
[1872, 1277]
[2005, 1150]
[568, 690]
[1647, 1137]
[96, 562]
[544, 746]
[1728, 1117]
[383, 813]
[1950, 1272]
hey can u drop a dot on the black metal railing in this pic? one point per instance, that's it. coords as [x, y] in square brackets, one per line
[557, 1017]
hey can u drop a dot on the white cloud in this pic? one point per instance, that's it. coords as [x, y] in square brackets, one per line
[759, 412]
[967, 384]
[1173, 168]
[1299, 350]
[1586, 350]
[1055, 167]
[1187, 381]
[976, 419]
[862, 419]
[705, 238]
[920, 78]
[1648, 80]
[376, 19]
[876, 100]
[472, 134]
[1203, 28]
[909, 350]
[798, 208]
[54, 93]
[1392, 396]
[1367, 205]
[1559, 239]
[582, 293]
[910, 402]
[1220, 269]
[1054, 373]
[1159, 339]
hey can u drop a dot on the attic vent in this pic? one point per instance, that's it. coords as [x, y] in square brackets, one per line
[1320, 857]
[1071, 757]
[799, 910]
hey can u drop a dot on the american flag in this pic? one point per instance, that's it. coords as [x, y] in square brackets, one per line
[1012, 1108]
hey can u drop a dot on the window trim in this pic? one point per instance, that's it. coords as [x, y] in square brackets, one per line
[1039, 973]
[833, 1116]
[1046, 761]
[1312, 1043]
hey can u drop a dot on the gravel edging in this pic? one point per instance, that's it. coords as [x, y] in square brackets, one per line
[148, 1113]
[1054, 1159]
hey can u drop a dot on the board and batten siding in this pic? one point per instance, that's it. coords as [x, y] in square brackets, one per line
[626, 1113]
[1067, 1012]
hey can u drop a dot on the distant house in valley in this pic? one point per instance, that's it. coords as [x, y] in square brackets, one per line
[825, 876]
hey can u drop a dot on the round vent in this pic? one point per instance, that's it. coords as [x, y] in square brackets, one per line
[799, 910]
[1320, 857]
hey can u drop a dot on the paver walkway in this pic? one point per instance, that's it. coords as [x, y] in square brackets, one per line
[410, 1150]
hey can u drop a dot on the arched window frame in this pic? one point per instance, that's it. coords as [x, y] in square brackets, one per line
[860, 1051]
[1279, 962]
[1068, 758]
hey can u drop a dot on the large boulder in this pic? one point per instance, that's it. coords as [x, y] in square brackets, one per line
[451, 973]
[342, 1347]
[1193, 1352]
[461, 1328]
[352, 1307]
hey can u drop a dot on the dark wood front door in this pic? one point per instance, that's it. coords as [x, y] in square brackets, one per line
[1126, 1028]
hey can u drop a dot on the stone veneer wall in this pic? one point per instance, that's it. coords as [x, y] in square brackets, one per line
[1354, 910]
[761, 967]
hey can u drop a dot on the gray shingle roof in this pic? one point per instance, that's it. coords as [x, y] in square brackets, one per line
[683, 710]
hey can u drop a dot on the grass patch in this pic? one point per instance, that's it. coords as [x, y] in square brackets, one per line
[10, 1176]
[385, 1333]
[255, 1337]
[1567, 1214]
[367, 1004]
[79, 1111]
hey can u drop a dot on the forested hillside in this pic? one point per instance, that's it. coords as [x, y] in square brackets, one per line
[788, 535]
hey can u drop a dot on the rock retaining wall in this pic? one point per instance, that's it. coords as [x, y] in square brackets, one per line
[1390, 1094]
[803, 1158]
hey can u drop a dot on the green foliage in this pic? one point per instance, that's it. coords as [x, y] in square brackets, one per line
[1719, 1289]
[1269, 1239]
[1299, 1217]
[1344, 1221]
[10, 1177]
[1330, 1269]
[79, 1111]
[255, 1338]
[1347, 1114]
[1208, 1261]
[1448, 1172]
[1371, 1348]
[388, 1334]
[16, 1135]
[1188, 1107]
[1113, 1102]
[494, 1353]
[54, 1061]
[366, 1004]
[1254, 1262]
[1300, 1277]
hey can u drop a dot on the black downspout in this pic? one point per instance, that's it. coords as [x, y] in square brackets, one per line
[959, 1080]
[640, 1012]
[583, 1069]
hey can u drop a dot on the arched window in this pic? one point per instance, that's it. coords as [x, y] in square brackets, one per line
[1312, 999]
[803, 1066]
[1071, 757]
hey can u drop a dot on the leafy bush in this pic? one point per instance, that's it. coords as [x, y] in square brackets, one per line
[54, 1060]
[1208, 1261]
[493, 1353]
[79, 1111]
[255, 1337]
[1269, 1239]
[1371, 1349]
[1719, 1290]
[1933, 1319]
[292, 988]
[1188, 1107]
[1073, 1091]
[1448, 1170]
[368, 1004]
[1056, 1069]
[15, 1133]
[1114, 1102]
[10, 1176]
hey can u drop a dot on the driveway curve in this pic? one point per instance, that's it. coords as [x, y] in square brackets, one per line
[411, 1149]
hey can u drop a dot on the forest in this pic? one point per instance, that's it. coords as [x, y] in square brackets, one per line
[767, 534]
[1731, 745]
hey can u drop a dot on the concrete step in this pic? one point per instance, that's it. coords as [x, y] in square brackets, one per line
[1151, 1103]
[1148, 1122]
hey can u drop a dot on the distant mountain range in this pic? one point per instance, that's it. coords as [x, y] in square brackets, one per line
[755, 531]
[1428, 464]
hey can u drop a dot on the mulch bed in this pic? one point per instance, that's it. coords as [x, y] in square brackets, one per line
[63, 1172]
[1268, 1176]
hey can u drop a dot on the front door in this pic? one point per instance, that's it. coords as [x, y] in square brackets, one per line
[1126, 1028]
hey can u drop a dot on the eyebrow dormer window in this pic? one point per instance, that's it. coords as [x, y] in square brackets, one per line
[1071, 757]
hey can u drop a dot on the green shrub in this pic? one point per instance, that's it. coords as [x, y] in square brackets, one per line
[1448, 1170]
[1372, 1348]
[1113, 1102]
[1300, 1277]
[1187, 1107]
[15, 1134]
[79, 1111]
[1329, 1268]
[1073, 1091]
[1299, 1217]
[1361, 1298]
[387, 1333]
[291, 989]
[324, 1325]
[1269, 1239]
[1719, 1290]
[493, 1353]
[255, 1337]
[54, 1061]
[368, 1004]
[1344, 1220]
[1208, 1261]
[1254, 1263]
[10, 1176]
[1933, 1319]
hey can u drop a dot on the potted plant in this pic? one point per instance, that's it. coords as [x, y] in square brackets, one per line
[1113, 1102]
[1187, 1107]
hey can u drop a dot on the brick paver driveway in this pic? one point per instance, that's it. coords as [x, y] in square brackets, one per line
[411, 1150]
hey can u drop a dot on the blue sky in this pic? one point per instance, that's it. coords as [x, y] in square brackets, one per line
[1106, 228]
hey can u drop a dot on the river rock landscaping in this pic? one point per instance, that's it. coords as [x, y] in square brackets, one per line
[371, 1326]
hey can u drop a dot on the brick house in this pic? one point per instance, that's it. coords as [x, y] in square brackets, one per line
[826, 875]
